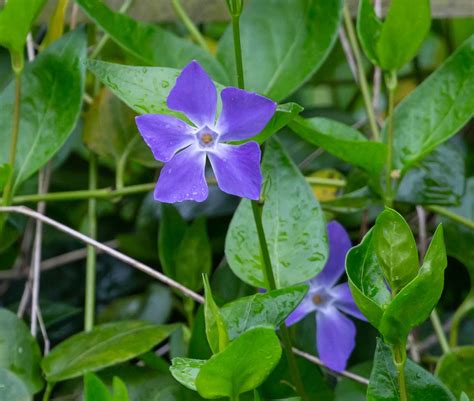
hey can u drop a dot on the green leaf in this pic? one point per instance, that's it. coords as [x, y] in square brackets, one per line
[414, 303]
[293, 37]
[185, 370]
[150, 43]
[283, 115]
[171, 234]
[19, 352]
[383, 385]
[456, 370]
[396, 249]
[464, 397]
[436, 109]
[268, 309]
[16, 19]
[342, 141]
[216, 330]
[437, 180]
[402, 33]
[242, 366]
[104, 346]
[5, 171]
[12, 387]
[110, 131]
[120, 391]
[369, 27]
[194, 256]
[95, 389]
[52, 88]
[294, 227]
[366, 280]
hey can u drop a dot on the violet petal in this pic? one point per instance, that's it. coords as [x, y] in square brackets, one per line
[302, 310]
[335, 338]
[195, 95]
[165, 135]
[244, 114]
[182, 178]
[344, 301]
[237, 169]
[339, 245]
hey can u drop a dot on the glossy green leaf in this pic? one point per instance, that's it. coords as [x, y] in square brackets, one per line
[268, 309]
[120, 392]
[396, 249]
[293, 37]
[12, 387]
[104, 346]
[16, 19]
[464, 397]
[185, 370]
[52, 88]
[414, 303]
[95, 389]
[438, 179]
[19, 352]
[294, 227]
[436, 109]
[194, 256]
[422, 386]
[456, 370]
[110, 131]
[368, 29]
[405, 27]
[283, 115]
[342, 141]
[216, 328]
[5, 171]
[150, 43]
[242, 366]
[366, 280]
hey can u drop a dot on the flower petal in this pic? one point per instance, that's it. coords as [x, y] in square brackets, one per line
[165, 135]
[182, 178]
[237, 169]
[302, 310]
[339, 245]
[195, 95]
[335, 338]
[344, 301]
[244, 114]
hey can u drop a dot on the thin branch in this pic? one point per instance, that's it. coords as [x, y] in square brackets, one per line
[346, 47]
[317, 361]
[112, 252]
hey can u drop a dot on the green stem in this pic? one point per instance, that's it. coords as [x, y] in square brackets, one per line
[391, 81]
[190, 26]
[438, 328]
[460, 313]
[48, 391]
[108, 193]
[399, 355]
[364, 86]
[8, 190]
[91, 252]
[238, 51]
[103, 41]
[451, 215]
[122, 163]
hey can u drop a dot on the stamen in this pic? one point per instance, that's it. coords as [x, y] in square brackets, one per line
[206, 138]
[317, 299]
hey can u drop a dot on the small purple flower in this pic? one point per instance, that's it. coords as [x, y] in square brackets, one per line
[184, 147]
[335, 333]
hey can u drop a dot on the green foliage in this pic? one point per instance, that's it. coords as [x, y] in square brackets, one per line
[294, 227]
[19, 355]
[456, 370]
[105, 345]
[422, 386]
[52, 89]
[216, 328]
[12, 387]
[436, 110]
[396, 41]
[290, 48]
[96, 390]
[342, 141]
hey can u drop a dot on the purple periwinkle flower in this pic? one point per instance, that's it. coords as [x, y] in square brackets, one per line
[335, 333]
[184, 148]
